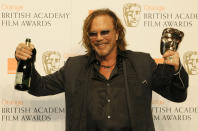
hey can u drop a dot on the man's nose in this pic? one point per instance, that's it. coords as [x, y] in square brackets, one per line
[99, 37]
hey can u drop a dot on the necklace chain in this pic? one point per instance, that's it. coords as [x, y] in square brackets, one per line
[107, 67]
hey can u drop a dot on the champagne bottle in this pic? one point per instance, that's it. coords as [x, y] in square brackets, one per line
[24, 70]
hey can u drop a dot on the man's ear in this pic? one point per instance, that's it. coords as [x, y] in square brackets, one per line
[117, 36]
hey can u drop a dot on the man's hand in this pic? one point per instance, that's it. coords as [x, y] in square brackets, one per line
[23, 52]
[172, 58]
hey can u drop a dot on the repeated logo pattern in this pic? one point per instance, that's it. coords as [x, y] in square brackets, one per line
[132, 14]
[190, 60]
[51, 61]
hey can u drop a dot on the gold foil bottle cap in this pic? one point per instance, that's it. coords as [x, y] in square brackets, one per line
[28, 41]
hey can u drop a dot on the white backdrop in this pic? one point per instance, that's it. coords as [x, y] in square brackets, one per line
[56, 26]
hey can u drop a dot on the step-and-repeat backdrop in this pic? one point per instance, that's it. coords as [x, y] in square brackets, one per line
[55, 28]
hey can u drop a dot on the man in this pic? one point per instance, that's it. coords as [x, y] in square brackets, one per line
[110, 88]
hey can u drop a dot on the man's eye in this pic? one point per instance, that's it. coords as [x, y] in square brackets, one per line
[104, 32]
[91, 34]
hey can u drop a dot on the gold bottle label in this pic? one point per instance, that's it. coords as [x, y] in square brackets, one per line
[19, 78]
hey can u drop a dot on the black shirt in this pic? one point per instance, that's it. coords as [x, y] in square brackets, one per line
[107, 105]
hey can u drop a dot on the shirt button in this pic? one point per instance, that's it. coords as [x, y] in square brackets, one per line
[108, 117]
[108, 100]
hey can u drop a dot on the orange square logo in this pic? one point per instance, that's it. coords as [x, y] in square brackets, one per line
[91, 11]
[159, 60]
[12, 65]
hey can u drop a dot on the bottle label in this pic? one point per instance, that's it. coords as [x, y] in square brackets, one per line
[19, 78]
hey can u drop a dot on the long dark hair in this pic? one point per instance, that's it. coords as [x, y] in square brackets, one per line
[121, 42]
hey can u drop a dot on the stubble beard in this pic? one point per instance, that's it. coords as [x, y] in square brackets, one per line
[102, 55]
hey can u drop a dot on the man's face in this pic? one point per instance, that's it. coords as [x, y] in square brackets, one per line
[133, 16]
[103, 35]
[193, 64]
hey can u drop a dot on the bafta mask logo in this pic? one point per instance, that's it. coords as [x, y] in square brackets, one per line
[51, 61]
[132, 14]
[190, 59]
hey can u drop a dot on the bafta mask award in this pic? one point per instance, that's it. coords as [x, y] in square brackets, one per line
[170, 39]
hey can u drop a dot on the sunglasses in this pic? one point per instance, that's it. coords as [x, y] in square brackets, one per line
[102, 33]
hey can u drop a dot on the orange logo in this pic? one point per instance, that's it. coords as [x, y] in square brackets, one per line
[12, 65]
[159, 60]
[91, 11]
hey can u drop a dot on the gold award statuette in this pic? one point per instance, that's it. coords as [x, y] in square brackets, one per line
[170, 39]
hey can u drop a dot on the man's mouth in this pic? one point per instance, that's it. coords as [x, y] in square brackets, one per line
[100, 44]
